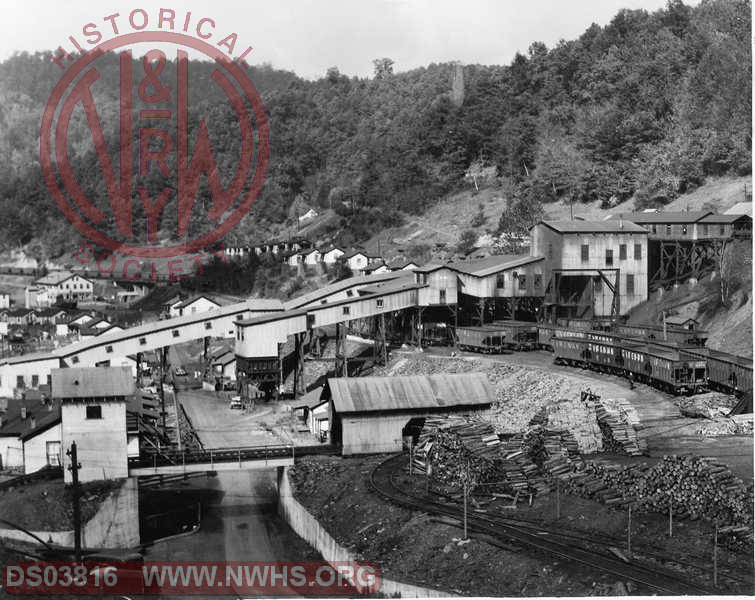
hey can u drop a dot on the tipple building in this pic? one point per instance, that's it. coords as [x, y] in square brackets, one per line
[596, 269]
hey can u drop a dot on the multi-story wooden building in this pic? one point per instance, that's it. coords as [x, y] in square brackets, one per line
[595, 269]
[687, 245]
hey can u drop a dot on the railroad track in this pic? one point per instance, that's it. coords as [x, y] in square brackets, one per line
[664, 582]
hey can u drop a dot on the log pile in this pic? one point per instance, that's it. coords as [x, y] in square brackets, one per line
[694, 487]
[575, 416]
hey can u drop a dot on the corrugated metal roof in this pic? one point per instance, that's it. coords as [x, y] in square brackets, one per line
[727, 218]
[82, 382]
[340, 286]
[740, 208]
[493, 264]
[691, 216]
[369, 394]
[610, 226]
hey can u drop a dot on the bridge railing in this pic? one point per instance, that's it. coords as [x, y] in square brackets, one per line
[212, 456]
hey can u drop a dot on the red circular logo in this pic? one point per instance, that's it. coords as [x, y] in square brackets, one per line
[161, 102]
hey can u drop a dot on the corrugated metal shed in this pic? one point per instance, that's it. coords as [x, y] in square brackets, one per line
[661, 218]
[95, 382]
[371, 394]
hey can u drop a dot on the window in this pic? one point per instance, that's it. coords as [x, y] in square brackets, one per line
[630, 285]
[668, 229]
[323, 301]
[704, 230]
[442, 296]
[379, 303]
[208, 324]
[585, 253]
[176, 333]
[500, 281]
[94, 411]
[609, 257]
[75, 360]
[193, 309]
[346, 310]
[423, 278]
[684, 230]
[20, 383]
[598, 285]
[109, 349]
[654, 229]
[53, 453]
[550, 250]
[349, 293]
[522, 282]
[34, 380]
[538, 281]
[622, 252]
[637, 251]
[722, 229]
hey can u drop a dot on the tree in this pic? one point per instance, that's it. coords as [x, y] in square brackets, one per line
[383, 67]
[466, 241]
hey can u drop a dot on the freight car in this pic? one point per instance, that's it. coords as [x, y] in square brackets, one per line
[677, 335]
[661, 367]
[546, 332]
[726, 372]
[520, 335]
[487, 339]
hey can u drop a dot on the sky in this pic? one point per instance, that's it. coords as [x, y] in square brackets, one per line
[309, 36]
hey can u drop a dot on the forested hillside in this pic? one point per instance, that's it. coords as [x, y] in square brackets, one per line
[647, 106]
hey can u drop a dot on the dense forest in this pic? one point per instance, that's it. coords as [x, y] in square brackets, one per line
[647, 106]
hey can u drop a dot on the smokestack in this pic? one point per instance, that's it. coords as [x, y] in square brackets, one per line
[33, 422]
[621, 221]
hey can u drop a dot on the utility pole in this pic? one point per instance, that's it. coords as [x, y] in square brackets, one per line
[163, 367]
[74, 468]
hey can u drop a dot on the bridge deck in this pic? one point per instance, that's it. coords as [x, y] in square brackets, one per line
[222, 459]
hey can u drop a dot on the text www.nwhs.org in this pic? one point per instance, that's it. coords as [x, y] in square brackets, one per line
[252, 578]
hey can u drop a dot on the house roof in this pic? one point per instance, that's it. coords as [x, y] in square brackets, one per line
[50, 312]
[19, 312]
[225, 359]
[740, 208]
[691, 216]
[94, 382]
[355, 252]
[57, 277]
[309, 400]
[371, 394]
[327, 249]
[374, 267]
[401, 263]
[680, 320]
[726, 218]
[190, 301]
[609, 226]
[45, 416]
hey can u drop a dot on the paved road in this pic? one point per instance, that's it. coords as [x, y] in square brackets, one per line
[243, 526]
[218, 426]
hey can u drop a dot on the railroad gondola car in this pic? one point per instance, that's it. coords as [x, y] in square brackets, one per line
[726, 372]
[546, 332]
[665, 368]
[661, 367]
[436, 334]
[677, 335]
[486, 339]
[520, 335]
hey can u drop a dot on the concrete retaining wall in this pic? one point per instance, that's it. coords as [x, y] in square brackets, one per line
[115, 525]
[309, 529]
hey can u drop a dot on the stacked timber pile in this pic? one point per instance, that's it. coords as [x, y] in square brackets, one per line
[518, 464]
[578, 417]
[693, 487]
